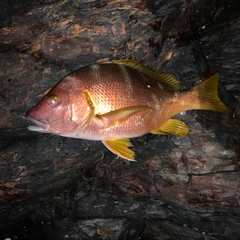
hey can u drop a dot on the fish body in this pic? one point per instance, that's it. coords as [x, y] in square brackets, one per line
[113, 102]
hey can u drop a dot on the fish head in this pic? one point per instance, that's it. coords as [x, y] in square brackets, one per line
[56, 112]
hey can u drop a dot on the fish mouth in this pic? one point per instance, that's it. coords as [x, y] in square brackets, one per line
[38, 126]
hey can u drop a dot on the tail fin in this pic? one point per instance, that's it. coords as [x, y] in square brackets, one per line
[208, 95]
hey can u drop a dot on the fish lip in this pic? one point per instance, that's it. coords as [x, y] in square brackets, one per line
[39, 125]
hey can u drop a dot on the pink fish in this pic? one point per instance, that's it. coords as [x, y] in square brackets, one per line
[113, 102]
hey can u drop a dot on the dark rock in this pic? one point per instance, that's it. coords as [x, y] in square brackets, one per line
[59, 188]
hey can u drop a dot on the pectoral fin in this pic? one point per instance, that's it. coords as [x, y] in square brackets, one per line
[110, 117]
[173, 126]
[120, 147]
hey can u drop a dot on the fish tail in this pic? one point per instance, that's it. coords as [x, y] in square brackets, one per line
[202, 97]
[208, 98]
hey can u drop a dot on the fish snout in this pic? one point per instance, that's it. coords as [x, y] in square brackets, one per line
[39, 124]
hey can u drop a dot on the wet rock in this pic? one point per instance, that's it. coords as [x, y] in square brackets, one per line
[59, 188]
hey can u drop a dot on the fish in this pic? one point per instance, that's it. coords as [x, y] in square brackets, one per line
[115, 101]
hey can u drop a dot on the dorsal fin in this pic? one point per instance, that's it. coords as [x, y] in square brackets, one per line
[168, 80]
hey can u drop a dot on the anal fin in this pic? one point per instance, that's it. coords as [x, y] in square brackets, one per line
[172, 126]
[120, 147]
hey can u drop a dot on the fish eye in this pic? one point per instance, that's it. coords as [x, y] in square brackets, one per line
[53, 100]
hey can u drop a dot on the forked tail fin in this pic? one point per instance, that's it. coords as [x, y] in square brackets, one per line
[208, 95]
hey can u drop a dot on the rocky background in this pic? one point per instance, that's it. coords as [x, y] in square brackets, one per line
[60, 188]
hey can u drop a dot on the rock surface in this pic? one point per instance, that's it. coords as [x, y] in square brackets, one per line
[180, 187]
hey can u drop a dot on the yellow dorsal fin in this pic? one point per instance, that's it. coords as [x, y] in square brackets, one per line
[168, 80]
[173, 126]
[119, 114]
[120, 147]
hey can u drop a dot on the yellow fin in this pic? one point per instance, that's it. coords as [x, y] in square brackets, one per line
[168, 80]
[208, 95]
[173, 126]
[120, 147]
[89, 100]
[121, 113]
[90, 115]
